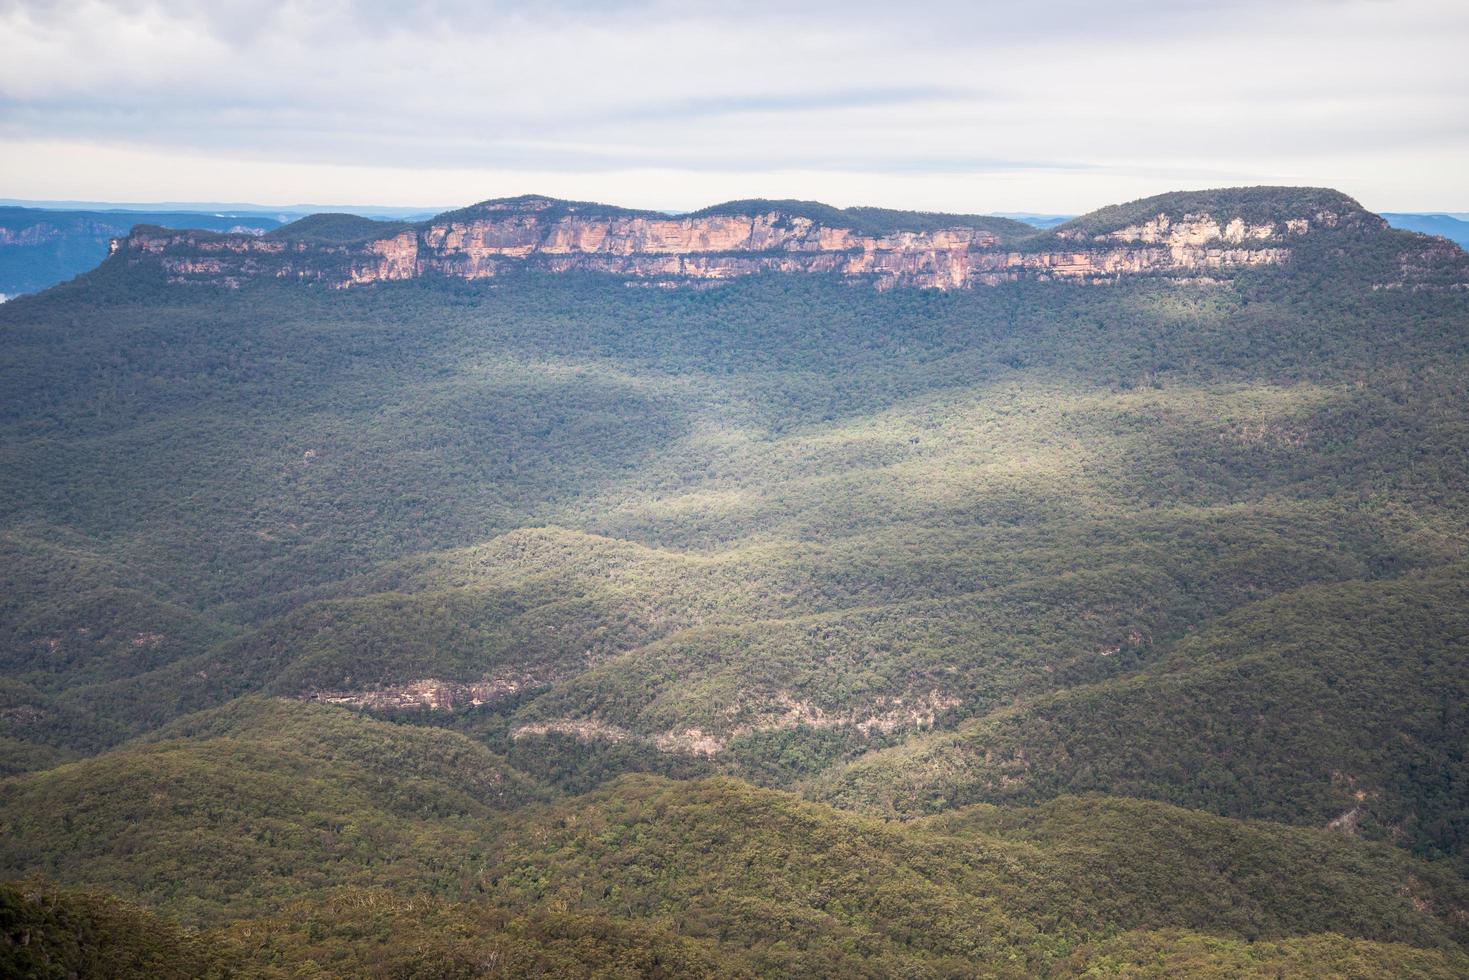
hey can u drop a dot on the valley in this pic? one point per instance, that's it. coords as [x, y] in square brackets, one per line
[891, 594]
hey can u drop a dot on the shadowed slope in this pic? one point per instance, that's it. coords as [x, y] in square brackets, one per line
[1342, 704]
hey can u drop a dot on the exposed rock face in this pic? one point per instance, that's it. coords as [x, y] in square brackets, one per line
[34, 235]
[1192, 230]
[428, 694]
[494, 238]
[782, 711]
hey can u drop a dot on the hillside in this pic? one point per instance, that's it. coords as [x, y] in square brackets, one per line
[755, 877]
[783, 625]
[1253, 206]
[1334, 706]
[335, 229]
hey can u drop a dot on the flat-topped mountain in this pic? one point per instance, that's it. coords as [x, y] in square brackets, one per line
[1205, 235]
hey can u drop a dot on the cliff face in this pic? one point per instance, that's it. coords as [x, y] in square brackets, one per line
[494, 238]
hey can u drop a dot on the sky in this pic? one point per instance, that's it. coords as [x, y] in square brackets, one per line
[1057, 107]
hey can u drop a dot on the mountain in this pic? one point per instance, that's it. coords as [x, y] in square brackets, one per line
[1043, 221]
[43, 246]
[39, 248]
[1454, 228]
[1213, 234]
[885, 594]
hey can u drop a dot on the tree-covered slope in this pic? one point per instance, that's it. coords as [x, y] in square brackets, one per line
[1251, 204]
[522, 599]
[902, 448]
[50, 933]
[1340, 705]
[722, 858]
[760, 879]
[263, 801]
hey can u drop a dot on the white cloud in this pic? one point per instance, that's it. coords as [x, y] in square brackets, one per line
[990, 106]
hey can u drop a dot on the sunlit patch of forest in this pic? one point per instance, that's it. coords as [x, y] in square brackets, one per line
[815, 630]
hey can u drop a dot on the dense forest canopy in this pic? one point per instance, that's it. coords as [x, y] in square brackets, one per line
[783, 627]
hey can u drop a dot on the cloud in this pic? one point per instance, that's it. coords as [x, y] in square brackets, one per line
[1316, 91]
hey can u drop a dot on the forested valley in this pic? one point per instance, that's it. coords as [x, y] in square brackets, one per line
[558, 625]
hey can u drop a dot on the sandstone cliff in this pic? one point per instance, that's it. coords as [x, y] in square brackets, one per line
[1203, 236]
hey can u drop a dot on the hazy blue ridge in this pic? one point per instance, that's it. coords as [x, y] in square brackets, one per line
[1455, 229]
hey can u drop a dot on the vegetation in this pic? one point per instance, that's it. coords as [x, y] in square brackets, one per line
[337, 229]
[47, 933]
[1255, 205]
[751, 876]
[548, 208]
[216, 829]
[873, 221]
[784, 627]
[1342, 704]
[356, 932]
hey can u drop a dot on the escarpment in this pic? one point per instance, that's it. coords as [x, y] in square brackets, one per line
[1206, 236]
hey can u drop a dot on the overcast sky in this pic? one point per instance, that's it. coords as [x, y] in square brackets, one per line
[1053, 106]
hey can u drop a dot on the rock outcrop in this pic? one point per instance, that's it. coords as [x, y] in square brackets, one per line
[428, 694]
[492, 239]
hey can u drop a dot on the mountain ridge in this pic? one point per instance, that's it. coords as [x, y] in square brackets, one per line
[1207, 235]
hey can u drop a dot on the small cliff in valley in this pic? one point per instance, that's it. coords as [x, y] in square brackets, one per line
[1208, 235]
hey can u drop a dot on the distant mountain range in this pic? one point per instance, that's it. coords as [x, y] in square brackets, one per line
[39, 248]
[43, 243]
[1453, 226]
[1205, 236]
[1046, 221]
